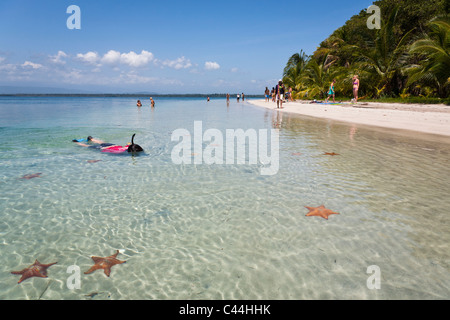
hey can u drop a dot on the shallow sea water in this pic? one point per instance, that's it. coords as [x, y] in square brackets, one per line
[218, 231]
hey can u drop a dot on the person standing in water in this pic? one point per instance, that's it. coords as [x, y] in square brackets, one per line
[152, 102]
[279, 90]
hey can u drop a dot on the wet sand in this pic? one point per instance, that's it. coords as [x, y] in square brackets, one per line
[432, 119]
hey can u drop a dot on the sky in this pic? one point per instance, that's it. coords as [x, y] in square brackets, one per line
[171, 46]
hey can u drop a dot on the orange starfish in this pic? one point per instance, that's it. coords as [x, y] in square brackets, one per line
[35, 270]
[330, 154]
[31, 176]
[320, 212]
[105, 263]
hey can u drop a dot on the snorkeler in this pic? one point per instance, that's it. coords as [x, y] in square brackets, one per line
[98, 144]
[109, 147]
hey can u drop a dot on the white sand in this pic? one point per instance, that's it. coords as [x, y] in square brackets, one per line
[433, 119]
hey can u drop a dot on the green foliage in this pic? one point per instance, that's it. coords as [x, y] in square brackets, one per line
[408, 56]
[433, 69]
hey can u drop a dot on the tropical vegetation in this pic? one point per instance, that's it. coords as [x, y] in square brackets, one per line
[408, 56]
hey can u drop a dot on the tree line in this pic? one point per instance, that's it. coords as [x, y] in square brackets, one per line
[408, 56]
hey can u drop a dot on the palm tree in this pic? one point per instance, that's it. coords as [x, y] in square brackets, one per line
[385, 56]
[434, 68]
[316, 78]
[294, 71]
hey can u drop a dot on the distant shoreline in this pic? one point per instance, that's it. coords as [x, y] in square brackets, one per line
[431, 119]
[130, 95]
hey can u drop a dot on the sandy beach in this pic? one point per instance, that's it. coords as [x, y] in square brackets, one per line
[432, 119]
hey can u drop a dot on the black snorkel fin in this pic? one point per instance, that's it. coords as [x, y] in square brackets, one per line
[134, 148]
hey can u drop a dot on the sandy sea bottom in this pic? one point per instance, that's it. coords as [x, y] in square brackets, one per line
[218, 231]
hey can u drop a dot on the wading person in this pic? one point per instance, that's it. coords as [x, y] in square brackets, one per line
[279, 89]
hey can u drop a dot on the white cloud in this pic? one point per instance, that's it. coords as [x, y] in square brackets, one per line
[211, 65]
[111, 57]
[32, 65]
[180, 63]
[58, 58]
[89, 57]
[2, 59]
[234, 69]
[8, 67]
[136, 60]
[131, 58]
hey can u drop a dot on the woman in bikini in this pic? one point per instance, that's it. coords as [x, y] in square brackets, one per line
[355, 88]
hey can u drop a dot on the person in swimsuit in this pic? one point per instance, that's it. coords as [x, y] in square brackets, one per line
[266, 94]
[355, 88]
[331, 91]
[97, 144]
[139, 104]
[279, 89]
[152, 102]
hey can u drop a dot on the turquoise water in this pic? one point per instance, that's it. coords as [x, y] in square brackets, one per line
[218, 231]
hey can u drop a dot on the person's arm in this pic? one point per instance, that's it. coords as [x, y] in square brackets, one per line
[81, 144]
[97, 141]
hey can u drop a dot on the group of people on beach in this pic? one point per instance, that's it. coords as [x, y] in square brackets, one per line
[355, 84]
[238, 96]
[279, 93]
[152, 103]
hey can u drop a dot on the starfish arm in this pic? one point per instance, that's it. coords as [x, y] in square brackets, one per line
[19, 272]
[97, 259]
[108, 271]
[40, 275]
[116, 261]
[21, 279]
[48, 265]
[114, 255]
[92, 269]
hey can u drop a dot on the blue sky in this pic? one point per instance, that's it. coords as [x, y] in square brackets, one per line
[171, 46]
